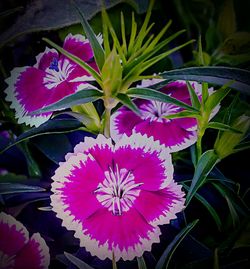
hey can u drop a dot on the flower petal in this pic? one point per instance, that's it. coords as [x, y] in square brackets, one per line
[170, 134]
[34, 255]
[75, 182]
[27, 93]
[160, 207]
[11, 231]
[44, 59]
[128, 236]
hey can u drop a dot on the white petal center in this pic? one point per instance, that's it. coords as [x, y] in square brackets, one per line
[118, 190]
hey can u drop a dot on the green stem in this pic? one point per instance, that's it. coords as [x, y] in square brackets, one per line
[199, 146]
[106, 130]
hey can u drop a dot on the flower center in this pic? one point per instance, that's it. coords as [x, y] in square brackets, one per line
[6, 261]
[155, 110]
[57, 72]
[118, 191]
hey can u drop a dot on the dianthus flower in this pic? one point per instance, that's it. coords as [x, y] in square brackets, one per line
[115, 196]
[175, 134]
[53, 77]
[17, 250]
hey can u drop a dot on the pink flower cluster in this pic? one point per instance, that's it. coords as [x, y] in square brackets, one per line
[113, 194]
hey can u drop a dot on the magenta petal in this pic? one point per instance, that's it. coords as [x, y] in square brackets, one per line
[146, 167]
[160, 207]
[127, 236]
[45, 58]
[123, 122]
[13, 235]
[34, 255]
[78, 46]
[77, 183]
[170, 134]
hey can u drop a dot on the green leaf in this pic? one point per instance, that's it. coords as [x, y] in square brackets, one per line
[204, 166]
[216, 97]
[48, 16]
[214, 74]
[95, 45]
[222, 127]
[169, 251]
[149, 94]
[55, 126]
[242, 146]
[193, 96]
[126, 101]
[11, 188]
[77, 98]
[208, 206]
[183, 114]
[77, 262]
[141, 263]
[76, 60]
[33, 167]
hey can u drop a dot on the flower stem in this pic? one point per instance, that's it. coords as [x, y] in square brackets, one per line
[107, 114]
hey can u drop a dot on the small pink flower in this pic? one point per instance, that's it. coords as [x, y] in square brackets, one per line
[175, 134]
[115, 196]
[17, 250]
[52, 77]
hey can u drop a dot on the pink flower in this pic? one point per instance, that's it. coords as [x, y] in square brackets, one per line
[17, 250]
[115, 196]
[175, 134]
[52, 77]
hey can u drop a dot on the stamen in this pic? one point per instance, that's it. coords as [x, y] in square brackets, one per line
[118, 191]
[54, 65]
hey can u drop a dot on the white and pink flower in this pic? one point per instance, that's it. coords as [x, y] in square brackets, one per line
[174, 134]
[115, 196]
[17, 250]
[53, 77]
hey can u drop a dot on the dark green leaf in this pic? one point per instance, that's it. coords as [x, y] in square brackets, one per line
[55, 126]
[216, 97]
[77, 262]
[80, 97]
[204, 166]
[149, 94]
[193, 96]
[46, 15]
[11, 188]
[96, 46]
[126, 101]
[55, 151]
[183, 114]
[216, 75]
[242, 146]
[210, 209]
[169, 251]
[141, 263]
[222, 127]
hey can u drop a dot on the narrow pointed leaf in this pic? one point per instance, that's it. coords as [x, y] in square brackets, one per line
[141, 263]
[169, 251]
[96, 46]
[216, 97]
[77, 262]
[242, 146]
[214, 74]
[55, 126]
[183, 114]
[149, 94]
[11, 188]
[209, 207]
[204, 166]
[80, 97]
[193, 96]
[126, 101]
[222, 127]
